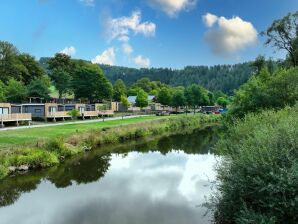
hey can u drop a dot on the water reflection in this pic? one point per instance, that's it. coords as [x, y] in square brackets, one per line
[137, 185]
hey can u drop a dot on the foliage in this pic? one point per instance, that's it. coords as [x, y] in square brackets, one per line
[178, 98]
[74, 113]
[222, 101]
[142, 99]
[39, 88]
[124, 102]
[265, 91]
[2, 92]
[15, 91]
[282, 34]
[196, 96]
[119, 90]
[21, 67]
[164, 96]
[226, 78]
[258, 177]
[90, 83]
[61, 80]
[60, 72]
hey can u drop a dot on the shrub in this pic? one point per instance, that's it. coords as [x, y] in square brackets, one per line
[3, 171]
[258, 177]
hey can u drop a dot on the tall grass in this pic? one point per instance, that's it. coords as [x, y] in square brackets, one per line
[258, 178]
[53, 151]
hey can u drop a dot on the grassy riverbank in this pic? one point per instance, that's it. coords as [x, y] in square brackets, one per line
[15, 138]
[45, 147]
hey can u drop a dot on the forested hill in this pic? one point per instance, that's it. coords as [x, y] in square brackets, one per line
[220, 77]
[226, 78]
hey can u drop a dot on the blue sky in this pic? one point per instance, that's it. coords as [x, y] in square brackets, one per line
[143, 33]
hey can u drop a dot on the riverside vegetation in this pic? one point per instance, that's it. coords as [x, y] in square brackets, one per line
[257, 177]
[53, 151]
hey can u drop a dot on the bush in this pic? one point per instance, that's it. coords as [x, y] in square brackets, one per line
[3, 171]
[258, 177]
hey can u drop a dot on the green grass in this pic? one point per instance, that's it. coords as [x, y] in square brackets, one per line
[14, 138]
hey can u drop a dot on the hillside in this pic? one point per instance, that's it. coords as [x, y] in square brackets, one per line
[226, 78]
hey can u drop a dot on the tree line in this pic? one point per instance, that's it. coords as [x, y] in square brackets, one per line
[21, 76]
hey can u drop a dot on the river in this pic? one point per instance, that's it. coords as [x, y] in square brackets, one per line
[161, 181]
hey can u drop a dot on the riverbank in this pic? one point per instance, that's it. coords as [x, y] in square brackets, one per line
[61, 144]
[258, 177]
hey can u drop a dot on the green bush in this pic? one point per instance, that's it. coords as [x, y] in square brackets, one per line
[3, 171]
[34, 158]
[258, 177]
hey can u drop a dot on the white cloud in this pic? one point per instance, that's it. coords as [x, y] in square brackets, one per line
[210, 19]
[172, 7]
[142, 62]
[230, 35]
[127, 49]
[69, 51]
[107, 57]
[121, 28]
[88, 2]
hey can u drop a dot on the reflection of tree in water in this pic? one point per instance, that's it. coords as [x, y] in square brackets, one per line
[11, 188]
[84, 170]
[92, 166]
[199, 141]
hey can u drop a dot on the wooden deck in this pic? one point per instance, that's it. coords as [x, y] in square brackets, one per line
[15, 117]
[90, 114]
[58, 114]
[106, 113]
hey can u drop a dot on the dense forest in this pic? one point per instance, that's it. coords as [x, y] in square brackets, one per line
[225, 78]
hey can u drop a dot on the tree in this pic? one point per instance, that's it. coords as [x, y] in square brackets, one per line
[124, 103]
[119, 90]
[62, 81]
[178, 98]
[8, 53]
[145, 84]
[196, 96]
[265, 91]
[282, 34]
[142, 99]
[60, 72]
[32, 69]
[164, 96]
[2, 92]
[15, 91]
[60, 60]
[39, 88]
[222, 101]
[90, 83]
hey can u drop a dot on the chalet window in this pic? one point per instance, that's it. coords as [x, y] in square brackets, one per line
[52, 109]
[37, 110]
[4, 110]
[82, 109]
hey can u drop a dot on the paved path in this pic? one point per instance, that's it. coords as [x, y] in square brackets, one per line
[67, 123]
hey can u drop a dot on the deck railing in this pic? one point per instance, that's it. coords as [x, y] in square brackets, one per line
[90, 113]
[58, 114]
[15, 117]
[106, 112]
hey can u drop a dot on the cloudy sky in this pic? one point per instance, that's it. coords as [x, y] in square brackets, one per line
[143, 33]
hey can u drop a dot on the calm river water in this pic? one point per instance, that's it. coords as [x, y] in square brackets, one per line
[161, 181]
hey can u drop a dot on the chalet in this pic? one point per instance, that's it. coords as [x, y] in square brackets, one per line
[134, 108]
[6, 115]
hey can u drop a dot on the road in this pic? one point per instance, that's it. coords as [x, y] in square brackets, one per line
[68, 123]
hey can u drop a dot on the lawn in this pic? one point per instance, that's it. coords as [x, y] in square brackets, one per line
[11, 138]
